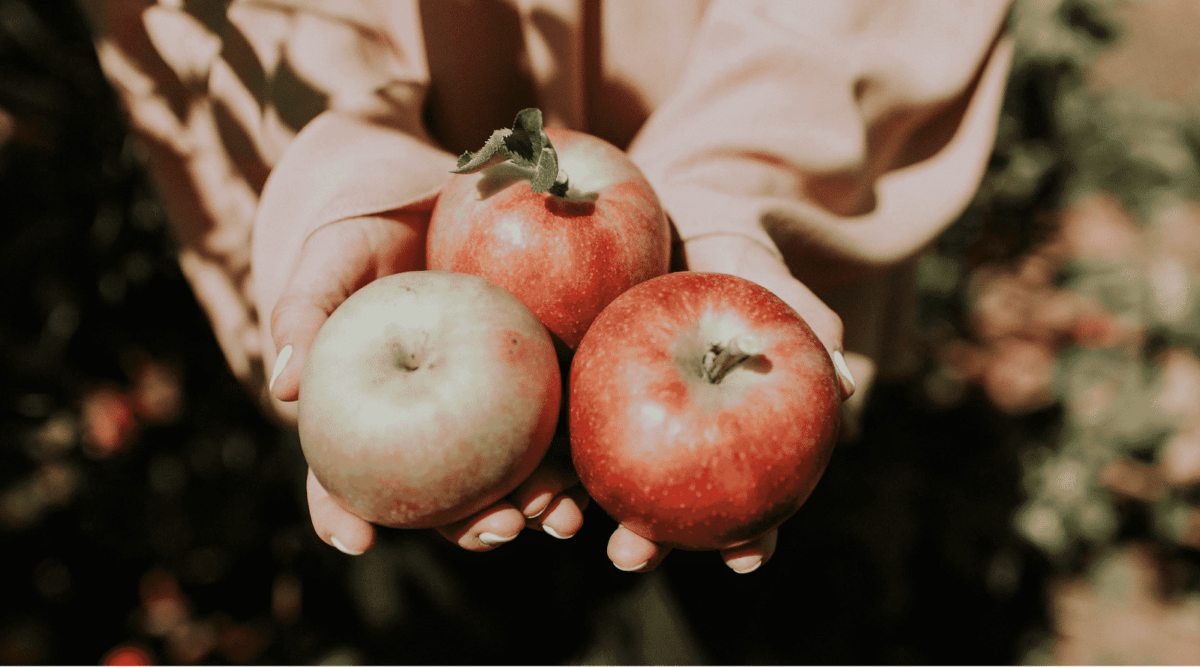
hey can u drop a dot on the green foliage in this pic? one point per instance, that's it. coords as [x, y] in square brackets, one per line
[1062, 138]
[1059, 138]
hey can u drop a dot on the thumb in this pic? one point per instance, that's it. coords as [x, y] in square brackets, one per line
[746, 258]
[336, 261]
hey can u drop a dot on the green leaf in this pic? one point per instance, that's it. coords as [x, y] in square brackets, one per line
[527, 139]
[494, 151]
[547, 169]
[525, 145]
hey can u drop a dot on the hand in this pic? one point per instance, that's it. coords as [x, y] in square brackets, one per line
[744, 258]
[335, 261]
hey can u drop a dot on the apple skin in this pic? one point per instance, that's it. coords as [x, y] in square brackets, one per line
[566, 257]
[426, 397]
[682, 461]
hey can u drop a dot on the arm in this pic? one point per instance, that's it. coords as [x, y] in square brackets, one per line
[218, 93]
[809, 146]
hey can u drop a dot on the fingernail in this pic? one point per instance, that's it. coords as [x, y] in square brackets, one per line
[542, 504]
[342, 548]
[285, 355]
[843, 370]
[635, 568]
[745, 565]
[554, 533]
[492, 539]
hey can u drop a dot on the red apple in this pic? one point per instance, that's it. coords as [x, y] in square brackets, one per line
[703, 410]
[108, 421]
[426, 397]
[566, 251]
[128, 654]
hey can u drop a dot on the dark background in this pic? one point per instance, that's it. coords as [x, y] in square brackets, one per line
[191, 543]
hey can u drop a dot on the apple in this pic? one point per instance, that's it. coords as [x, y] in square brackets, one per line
[109, 421]
[703, 410]
[562, 219]
[426, 397]
[128, 654]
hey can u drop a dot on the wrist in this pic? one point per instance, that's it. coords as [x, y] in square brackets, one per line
[730, 252]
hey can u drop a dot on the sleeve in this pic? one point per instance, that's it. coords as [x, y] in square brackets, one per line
[367, 153]
[843, 135]
[261, 120]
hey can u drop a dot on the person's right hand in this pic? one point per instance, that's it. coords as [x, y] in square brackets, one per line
[335, 261]
[744, 258]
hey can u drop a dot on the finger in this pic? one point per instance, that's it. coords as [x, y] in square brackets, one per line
[335, 262]
[748, 259]
[748, 557]
[334, 525]
[564, 517]
[534, 495]
[499, 524]
[631, 552]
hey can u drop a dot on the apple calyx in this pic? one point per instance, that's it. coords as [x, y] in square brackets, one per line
[525, 145]
[406, 361]
[720, 358]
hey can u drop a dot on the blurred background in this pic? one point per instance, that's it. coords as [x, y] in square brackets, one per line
[1032, 496]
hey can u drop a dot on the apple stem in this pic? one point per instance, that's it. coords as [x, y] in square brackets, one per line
[723, 357]
[561, 184]
[405, 360]
[525, 145]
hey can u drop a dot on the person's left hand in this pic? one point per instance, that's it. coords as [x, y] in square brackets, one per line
[337, 260]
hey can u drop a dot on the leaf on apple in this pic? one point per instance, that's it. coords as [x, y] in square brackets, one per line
[494, 151]
[525, 145]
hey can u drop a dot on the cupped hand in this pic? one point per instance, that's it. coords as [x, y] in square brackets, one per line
[747, 259]
[337, 260]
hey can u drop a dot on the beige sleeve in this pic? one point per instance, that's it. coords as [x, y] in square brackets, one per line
[339, 167]
[842, 134]
[311, 104]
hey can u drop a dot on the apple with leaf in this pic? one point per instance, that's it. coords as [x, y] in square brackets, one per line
[562, 219]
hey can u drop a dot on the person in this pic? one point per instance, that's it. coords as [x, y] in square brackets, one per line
[298, 145]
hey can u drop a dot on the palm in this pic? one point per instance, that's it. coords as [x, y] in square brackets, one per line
[337, 260]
